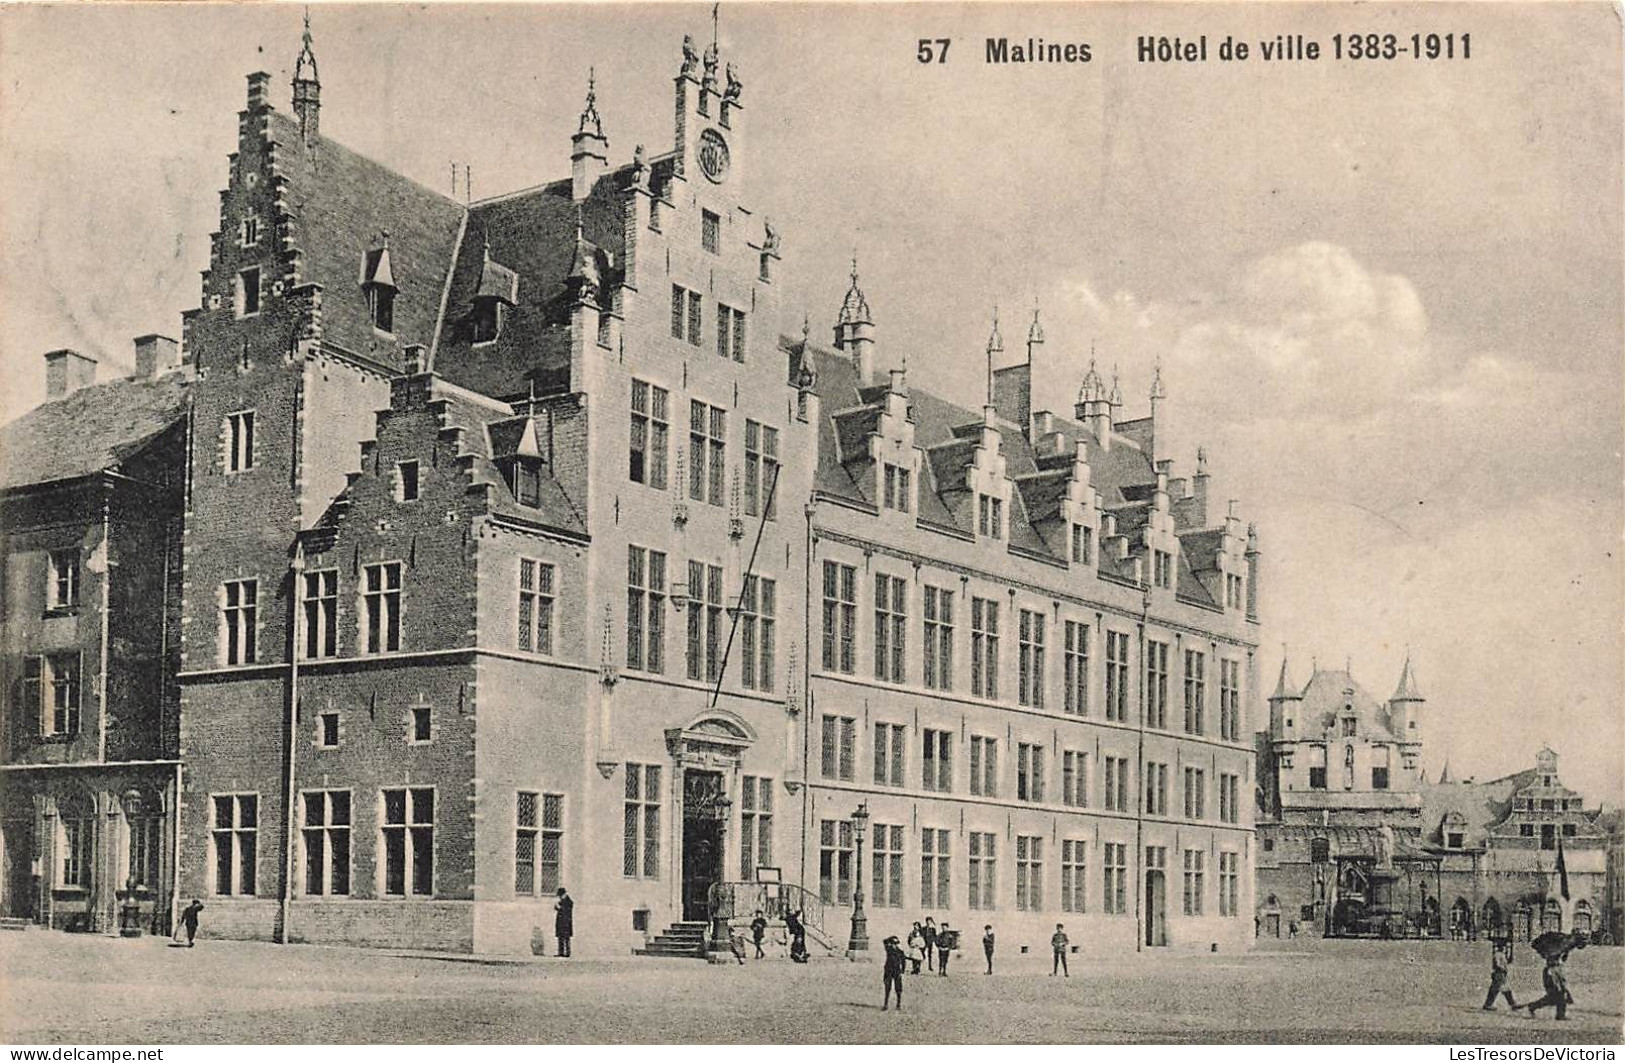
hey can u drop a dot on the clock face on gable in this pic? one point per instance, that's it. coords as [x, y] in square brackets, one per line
[713, 156]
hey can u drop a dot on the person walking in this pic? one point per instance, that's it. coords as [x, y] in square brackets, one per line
[916, 948]
[564, 921]
[930, 932]
[1556, 982]
[1500, 961]
[946, 940]
[891, 978]
[189, 920]
[1058, 942]
[798, 936]
[758, 928]
[987, 945]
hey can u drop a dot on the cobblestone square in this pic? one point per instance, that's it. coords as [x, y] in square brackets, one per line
[83, 989]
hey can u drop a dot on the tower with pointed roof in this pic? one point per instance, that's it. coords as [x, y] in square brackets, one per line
[1405, 711]
[855, 329]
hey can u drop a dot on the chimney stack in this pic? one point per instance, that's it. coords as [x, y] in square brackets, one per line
[66, 372]
[155, 355]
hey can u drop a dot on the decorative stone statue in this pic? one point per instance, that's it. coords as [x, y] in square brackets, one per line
[735, 86]
[770, 242]
[690, 56]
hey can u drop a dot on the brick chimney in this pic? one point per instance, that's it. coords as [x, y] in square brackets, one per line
[156, 355]
[66, 372]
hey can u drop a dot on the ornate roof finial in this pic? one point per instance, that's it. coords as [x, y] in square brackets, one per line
[1157, 391]
[307, 54]
[716, 12]
[1093, 388]
[1035, 333]
[995, 341]
[806, 329]
[1116, 396]
[854, 308]
[589, 113]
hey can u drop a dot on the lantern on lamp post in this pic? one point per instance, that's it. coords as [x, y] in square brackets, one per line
[859, 941]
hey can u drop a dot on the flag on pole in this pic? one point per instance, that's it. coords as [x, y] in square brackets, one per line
[1562, 871]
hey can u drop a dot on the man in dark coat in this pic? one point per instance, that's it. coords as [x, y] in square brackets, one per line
[1500, 961]
[930, 931]
[798, 936]
[1554, 980]
[564, 921]
[892, 977]
[189, 919]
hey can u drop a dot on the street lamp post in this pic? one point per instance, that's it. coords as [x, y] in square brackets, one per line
[859, 941]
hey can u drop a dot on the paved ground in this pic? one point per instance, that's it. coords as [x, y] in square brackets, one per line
[81, 989]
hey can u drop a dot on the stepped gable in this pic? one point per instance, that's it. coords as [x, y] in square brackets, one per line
[1327, 694]
[949, 436]
[532, 234]
[480, 430]
[89, 430]
[342, 203]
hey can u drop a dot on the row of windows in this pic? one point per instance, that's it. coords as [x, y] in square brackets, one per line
[75, 842]
[378, 612]
[891, 600]
[688, 321]
[888, 857]
[839, 755]
[703, 597]
[248, 294]
[649, 444]
[405, 842]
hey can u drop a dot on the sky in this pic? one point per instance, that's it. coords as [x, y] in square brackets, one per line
[1384, 295]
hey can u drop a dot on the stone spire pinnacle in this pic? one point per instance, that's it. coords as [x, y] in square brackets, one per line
[1157, 391]
[854, 308]
[1116, 396]
[589, 113]
[307, 87]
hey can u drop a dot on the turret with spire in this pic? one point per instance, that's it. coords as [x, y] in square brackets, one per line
[589, 148]
[1405, 708]
[307, 89]
[1094, 408]
[855, 330]
[1284, 706]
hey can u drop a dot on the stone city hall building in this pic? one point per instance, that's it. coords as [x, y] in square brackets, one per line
[460, 552]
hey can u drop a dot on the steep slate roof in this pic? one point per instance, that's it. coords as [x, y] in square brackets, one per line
[89, 430]
[1480, 805]
[344, 202]
[1327, 693]
[949, 435]
[533, 234]
[489, 433]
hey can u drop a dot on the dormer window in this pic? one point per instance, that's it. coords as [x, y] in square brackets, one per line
[381, 307]
[899, 490]
[1454, 840]
[485, 324]
[990, 516]
[1083, 544]
[1162, 569]
[378, 282]
[498, 290]
[1232, 591]
[525, 480]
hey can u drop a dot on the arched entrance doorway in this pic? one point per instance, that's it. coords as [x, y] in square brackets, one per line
[706, 752]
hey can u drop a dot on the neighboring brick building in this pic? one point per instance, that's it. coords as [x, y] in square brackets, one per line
[1354, 840]
[500, 525]
[90, 503]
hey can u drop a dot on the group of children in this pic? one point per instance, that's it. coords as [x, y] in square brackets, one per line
[1552, 978]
